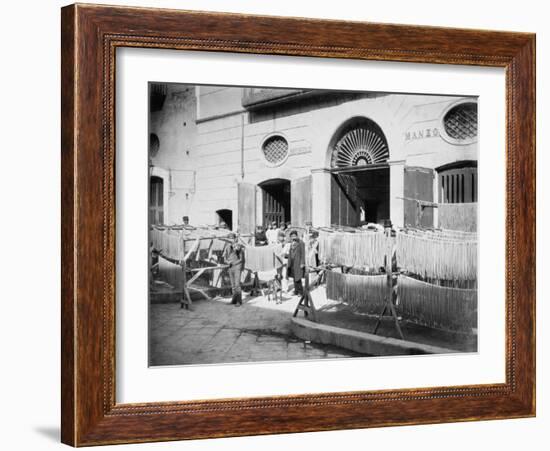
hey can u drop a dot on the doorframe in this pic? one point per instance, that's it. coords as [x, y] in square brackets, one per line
[261, 191]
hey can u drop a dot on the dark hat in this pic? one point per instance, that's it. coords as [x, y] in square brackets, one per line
[294, 233]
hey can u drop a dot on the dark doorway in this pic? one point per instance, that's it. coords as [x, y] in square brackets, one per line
[156, 200]
[226, 216]
[360, 195]
[374, 191]
[276, 201]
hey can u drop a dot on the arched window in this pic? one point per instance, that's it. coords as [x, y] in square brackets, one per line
[154, 145]
[360, 143]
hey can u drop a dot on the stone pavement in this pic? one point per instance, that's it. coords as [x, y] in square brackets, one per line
[217, 332]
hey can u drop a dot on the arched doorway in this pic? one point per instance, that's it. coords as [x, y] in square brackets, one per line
[225, 216]
[360, 186]
[275, 201]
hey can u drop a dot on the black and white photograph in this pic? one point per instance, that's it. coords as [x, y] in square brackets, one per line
[295, 224]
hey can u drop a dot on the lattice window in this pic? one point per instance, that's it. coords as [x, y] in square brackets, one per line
[275, 149]
[461, 121]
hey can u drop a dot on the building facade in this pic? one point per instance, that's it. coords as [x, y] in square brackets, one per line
[249, 156]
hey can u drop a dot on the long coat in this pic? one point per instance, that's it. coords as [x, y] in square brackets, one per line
[297, 261]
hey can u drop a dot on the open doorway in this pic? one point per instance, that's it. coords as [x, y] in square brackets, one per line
[360, 186]
[275, 201]
[225, 216]
[360, 196]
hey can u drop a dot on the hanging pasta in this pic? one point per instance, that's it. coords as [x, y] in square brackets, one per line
[362, 291]
[437, 306]
[458, 216]
[437, 256]
[168, 242]
[259, 258]
[155, 237]
[360, 249]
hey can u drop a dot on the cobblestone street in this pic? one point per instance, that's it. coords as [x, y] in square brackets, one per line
[215, 331]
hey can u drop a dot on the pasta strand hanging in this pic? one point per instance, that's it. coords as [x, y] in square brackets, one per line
[366, 292]
[259, 258]
[437, 306]
[437, 255]
[360, 249]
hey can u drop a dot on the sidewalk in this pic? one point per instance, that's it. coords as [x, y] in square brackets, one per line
[215, 331]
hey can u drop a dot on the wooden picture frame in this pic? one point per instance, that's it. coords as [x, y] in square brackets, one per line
[90, 36]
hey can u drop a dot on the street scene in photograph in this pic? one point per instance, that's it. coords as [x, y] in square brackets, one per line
[295, 224]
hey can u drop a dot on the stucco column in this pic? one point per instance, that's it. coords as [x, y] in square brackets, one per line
[259, 206]
[320, 193]
[397, 186]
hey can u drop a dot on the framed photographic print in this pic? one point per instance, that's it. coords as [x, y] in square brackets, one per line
[279, 225]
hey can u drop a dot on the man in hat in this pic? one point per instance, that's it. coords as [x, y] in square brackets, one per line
[296, 261]
[234, 258]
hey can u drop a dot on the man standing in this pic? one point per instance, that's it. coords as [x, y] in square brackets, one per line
[234, 258]
[296, 261]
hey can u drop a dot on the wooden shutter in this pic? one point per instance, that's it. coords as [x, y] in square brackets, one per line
[418, 186]
[247, 207]
[343, 201]
[156, 200]
[458, 185]
[300, 201]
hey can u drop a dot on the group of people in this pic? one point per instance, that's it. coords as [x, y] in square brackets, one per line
[263, 237]
[291, 257]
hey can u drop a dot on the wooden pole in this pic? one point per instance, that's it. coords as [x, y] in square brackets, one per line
[185, 297]
[306, 301]
[390, 292]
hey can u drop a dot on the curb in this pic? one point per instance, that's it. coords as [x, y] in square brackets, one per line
[360, 342]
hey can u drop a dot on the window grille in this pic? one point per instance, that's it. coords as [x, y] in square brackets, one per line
[458, 185]
[460, 122]
[275, 149]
